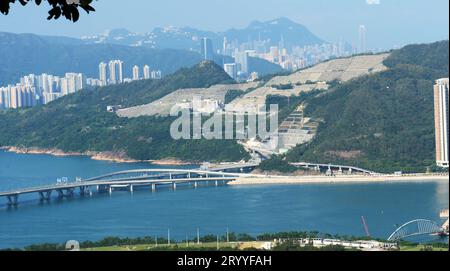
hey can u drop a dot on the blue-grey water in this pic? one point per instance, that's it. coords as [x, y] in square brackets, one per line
[329, 208]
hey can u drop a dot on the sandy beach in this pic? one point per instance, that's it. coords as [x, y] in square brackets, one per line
[339, 179]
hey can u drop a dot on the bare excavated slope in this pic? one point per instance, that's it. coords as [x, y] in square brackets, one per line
[163, 106]
[306, 80]
[316, 77]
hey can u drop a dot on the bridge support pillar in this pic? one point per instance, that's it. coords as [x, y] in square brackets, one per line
[110, 190]
[83, 191]
[45, 196]
[131, 188]
[195, 184]
[60, 193]
[13, 200]
[216, 183]
[153, 187]
[70, 192]
[174, 186]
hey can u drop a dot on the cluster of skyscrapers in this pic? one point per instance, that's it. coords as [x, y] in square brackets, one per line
[147, 73]
[115, 75]
[289, 58]
[40, 89]
[112, 73]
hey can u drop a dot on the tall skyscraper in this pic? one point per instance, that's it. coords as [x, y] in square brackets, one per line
[102, 74]
[146, 72]
[120, 68]
[135, 73]
[112, 72]
[231, 69]
[241, 59]
[207, 50]
[362, 39]
[441, 121]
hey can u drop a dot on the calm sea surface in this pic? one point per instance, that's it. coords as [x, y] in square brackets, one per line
[330, 208]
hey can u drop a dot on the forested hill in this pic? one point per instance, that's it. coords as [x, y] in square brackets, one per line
[383, 122]
[80, 122]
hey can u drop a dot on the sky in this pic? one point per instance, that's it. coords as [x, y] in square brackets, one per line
[389, 23]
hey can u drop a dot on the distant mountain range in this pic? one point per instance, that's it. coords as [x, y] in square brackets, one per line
[22, 54]
[271, 32]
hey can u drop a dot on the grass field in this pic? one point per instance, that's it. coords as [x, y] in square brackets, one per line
[421, 248]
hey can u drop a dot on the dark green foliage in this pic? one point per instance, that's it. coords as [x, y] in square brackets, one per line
[283, 86]
[278, 164]
[293, 246]
[80, 122]
[383, 122]
[232, 237]
[232, 95]
[58, 8]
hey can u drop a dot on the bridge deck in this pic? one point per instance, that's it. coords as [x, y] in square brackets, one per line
[112, 182]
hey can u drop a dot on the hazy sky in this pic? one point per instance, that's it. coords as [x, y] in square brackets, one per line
[389, 22]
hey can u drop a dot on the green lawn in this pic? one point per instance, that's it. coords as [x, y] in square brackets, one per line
[420, 248]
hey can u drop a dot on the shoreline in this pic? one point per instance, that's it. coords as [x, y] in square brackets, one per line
[115, 157]
[279, 180]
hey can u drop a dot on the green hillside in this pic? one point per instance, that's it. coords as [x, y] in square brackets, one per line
[80, 122]
[383, 122]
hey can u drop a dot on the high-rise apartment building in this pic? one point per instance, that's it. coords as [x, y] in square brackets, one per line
[112, 72]
[207, 50]
[231, 69]
[146, 72]
[441, 121]
[102, 74]
[362, 39]
[241, 59]
[136, 73]
[115, 71]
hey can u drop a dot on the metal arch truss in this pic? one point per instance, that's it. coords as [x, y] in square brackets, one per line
[415, 228]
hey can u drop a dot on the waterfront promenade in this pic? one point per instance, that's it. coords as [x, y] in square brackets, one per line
[322, 179]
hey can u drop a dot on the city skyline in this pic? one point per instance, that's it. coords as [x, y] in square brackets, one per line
[40, 89]
[401, 23]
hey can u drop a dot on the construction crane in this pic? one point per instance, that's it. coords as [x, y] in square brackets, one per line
[366, 228]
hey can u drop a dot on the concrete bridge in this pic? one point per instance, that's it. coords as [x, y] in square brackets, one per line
[231, 167]
[129, 180]
[331, 169]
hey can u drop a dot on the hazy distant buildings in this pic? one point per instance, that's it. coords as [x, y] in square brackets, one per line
[241, 59]
[231, 70]
[156, 75]
[362, 39]
[441, 109]
[207, 49]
